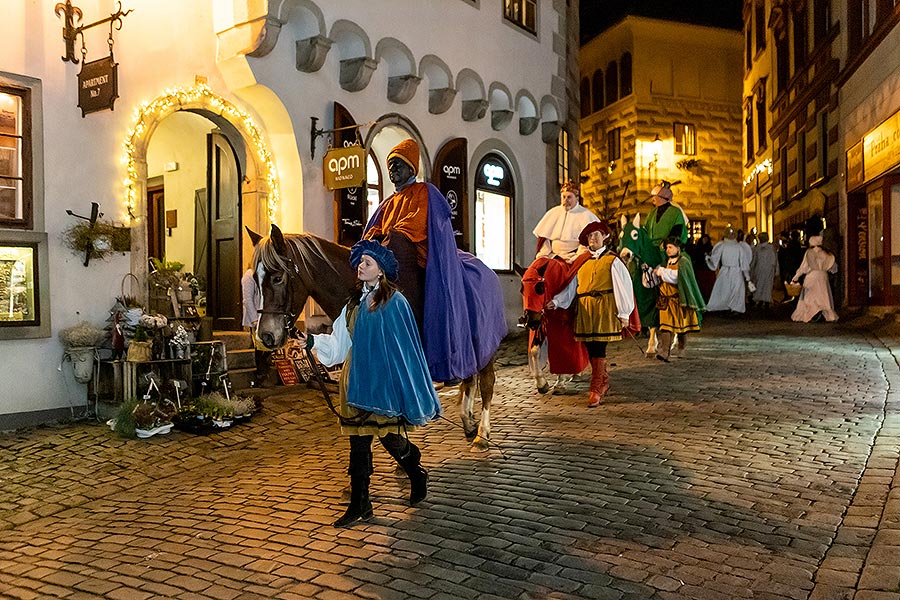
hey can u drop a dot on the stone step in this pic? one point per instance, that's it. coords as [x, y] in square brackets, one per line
[241, 359]
[234, 340]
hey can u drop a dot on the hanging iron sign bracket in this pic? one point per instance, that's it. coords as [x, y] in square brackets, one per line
[70, 32]
[314, 133]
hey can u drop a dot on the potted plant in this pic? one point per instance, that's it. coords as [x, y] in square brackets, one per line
[80, 343]
[153, 418]
[140, 348]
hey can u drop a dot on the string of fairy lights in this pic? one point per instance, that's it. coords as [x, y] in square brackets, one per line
[197, 96]
[765, 165]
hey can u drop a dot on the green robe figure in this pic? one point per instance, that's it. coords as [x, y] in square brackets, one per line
[665, 219]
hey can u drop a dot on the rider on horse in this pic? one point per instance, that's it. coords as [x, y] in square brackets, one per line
[445, 286]
[554, 266]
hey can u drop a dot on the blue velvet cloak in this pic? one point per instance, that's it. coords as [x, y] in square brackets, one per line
[388, 372]
[459, 289]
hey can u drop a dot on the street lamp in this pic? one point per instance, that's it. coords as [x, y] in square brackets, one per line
[656, 148]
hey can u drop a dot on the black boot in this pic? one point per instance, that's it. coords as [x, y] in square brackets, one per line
[360, 508]
[408, 456]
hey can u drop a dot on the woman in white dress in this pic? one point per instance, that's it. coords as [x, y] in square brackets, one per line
[816, 295]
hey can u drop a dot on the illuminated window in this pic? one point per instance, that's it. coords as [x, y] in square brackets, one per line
[374, 189]
[15, 158]
[522, 12]
[494, 204]
[19, 305]
[562, 156]
[685, 138]
[697, 229]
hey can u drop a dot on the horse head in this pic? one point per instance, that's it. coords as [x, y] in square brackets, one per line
[534, 295]
[282, 289]
[291, 268]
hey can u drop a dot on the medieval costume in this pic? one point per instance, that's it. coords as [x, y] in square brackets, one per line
[388, 389]
[816, 295]
[762, 270]
[558, 230]
[605, 303]
[458, 288]
[680, 302]
[733, 264]
[665, 219]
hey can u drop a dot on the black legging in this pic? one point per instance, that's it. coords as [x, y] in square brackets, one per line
[400, 448]
[596, 349]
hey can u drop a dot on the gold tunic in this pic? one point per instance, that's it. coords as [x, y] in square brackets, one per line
[672, 315]
[597, 316]
[378, 425]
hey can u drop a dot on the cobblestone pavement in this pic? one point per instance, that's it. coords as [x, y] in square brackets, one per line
[762, 465]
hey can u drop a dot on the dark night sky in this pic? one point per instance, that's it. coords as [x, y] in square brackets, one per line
[597, 15]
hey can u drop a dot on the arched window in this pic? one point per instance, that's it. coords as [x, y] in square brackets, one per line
[612, 83]
[598, 90]
[625, 75]
[585, 96]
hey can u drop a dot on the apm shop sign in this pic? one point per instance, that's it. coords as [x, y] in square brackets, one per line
[344, 167]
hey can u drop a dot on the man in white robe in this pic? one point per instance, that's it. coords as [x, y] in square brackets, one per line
[558, 230]
[762, 270]
[733, 263]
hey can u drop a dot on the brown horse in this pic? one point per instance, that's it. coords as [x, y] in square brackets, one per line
[290, 268]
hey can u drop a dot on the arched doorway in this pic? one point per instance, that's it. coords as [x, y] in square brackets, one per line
[209, 164]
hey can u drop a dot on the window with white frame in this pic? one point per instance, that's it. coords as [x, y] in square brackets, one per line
[685, 138]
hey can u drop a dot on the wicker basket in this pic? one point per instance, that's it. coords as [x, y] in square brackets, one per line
[792, 289]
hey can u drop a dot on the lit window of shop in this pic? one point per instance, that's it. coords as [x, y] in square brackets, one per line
[15, 158]
[562, 156]
[685, 138]
[494, 204]
[374, 188]
[697, 228]
[522, 12]
[24, 255]
[19, 304]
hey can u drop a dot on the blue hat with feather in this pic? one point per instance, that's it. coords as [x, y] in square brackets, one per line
[383, 256]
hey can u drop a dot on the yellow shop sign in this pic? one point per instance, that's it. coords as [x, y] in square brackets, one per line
[344, 167]
[881, 148]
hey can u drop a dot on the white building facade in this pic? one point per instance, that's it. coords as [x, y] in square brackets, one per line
[217, 127]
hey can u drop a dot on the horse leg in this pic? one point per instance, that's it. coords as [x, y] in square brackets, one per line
[652, 343]
[466, 409]
[486, 379]
[536, 363]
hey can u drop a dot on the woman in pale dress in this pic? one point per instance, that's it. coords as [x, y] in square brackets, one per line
[816, 295]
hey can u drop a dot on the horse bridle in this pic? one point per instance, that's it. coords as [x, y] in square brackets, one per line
[290, 330]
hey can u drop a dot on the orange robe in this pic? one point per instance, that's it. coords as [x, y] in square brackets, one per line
[406, 212]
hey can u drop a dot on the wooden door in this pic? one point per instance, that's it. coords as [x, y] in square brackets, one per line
[156, 218]
[224, 197]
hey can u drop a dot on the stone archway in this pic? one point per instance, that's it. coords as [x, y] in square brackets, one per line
[260, 190]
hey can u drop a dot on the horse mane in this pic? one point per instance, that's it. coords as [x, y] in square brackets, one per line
[323, 266]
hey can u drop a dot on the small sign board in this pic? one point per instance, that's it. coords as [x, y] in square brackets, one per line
[98, 85]
[344, 167]
[286, 372]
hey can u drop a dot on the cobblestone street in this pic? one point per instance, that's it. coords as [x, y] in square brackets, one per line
[762, 465]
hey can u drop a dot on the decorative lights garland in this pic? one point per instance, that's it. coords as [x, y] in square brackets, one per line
[197, 96]
[765, 165]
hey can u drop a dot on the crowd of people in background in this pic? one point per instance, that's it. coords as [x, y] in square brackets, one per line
[744, 272]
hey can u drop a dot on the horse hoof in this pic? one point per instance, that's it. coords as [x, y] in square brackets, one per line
[479, 445]
[544, 388]
[471, 435]
[651, 355]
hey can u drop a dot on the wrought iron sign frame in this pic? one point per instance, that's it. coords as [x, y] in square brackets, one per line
[70, 32]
